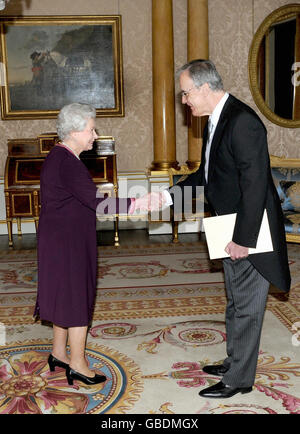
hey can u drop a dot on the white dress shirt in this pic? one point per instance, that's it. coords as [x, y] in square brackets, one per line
[212, 123]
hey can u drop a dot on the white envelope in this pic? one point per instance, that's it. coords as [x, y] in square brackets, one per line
[219, 232]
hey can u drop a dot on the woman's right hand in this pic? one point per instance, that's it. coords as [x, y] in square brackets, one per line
[150, 202]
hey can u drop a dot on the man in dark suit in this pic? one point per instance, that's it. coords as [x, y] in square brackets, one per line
[236, 175]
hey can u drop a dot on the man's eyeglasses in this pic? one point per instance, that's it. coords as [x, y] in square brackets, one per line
[185, 93]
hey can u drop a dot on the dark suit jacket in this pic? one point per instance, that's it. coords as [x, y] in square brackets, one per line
[240, 181]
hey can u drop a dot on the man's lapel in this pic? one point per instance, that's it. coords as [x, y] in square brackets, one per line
[218, 135]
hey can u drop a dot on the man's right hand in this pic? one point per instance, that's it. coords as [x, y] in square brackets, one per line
[235, 251]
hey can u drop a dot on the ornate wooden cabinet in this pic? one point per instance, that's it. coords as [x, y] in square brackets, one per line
[22, 178]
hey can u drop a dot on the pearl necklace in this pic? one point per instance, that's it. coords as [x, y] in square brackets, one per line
[73, 152]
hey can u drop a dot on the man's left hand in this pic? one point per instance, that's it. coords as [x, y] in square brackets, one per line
[235, 251]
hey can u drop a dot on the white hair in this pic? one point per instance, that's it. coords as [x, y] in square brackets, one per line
[73, 117]
[203, 71]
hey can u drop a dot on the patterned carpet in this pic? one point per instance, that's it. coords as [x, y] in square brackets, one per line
[159, 317]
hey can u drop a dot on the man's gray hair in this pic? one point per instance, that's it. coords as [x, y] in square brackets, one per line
[73, 117]
[203, 71]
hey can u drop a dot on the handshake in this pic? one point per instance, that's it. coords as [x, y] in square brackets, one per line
[148, 202]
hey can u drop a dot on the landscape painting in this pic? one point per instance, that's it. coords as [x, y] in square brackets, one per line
[52, 61]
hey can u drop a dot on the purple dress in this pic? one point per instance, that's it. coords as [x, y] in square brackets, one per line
[66, 240]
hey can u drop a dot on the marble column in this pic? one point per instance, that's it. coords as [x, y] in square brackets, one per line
[198, 48]
[164, 127]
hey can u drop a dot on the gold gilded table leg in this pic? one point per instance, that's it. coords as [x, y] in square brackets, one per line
[175, 231]
[116, 224]
[9, 231]
[8, 219]
[19, 226]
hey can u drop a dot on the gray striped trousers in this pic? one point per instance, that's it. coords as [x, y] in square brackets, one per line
[247, 292]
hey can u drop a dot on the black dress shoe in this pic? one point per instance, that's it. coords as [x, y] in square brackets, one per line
[53, 362]
[75, 375]
[218, 370]
[221, 390]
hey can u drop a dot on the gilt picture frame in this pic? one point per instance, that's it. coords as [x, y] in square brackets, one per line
[51, 61]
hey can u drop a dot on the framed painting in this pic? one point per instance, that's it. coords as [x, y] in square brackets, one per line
[56, 60]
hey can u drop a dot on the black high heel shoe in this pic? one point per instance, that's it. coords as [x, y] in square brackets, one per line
[53, 362]
[74, 375]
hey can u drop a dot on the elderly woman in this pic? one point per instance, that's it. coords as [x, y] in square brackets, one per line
[67, 247]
